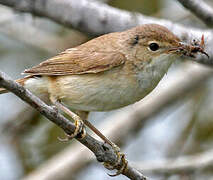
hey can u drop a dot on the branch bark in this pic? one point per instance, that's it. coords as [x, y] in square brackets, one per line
[201, 9]
[102, 152]
[99, 18]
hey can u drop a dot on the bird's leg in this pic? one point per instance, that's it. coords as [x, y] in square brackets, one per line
[121, 161]
[99, 134]
[94, 129]
[79, 130]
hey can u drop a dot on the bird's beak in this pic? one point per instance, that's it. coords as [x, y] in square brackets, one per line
[189, 50]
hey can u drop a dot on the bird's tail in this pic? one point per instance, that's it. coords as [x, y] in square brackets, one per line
[20, 81]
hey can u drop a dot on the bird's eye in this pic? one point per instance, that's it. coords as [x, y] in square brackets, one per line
[153, 46]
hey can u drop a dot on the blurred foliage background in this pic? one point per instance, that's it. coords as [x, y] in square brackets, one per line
[28, 140]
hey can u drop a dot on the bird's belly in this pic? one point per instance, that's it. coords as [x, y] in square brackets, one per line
[97, 93]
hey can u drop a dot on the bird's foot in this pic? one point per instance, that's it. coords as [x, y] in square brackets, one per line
[121, 163]
[79, 132]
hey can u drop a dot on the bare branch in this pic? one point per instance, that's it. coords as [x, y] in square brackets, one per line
[11, 25]
[185, 164]
[201, 9]
[99, 18]
[102, 152]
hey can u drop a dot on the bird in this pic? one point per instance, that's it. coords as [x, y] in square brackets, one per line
[107, 72]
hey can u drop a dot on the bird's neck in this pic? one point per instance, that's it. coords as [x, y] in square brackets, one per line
[152, 72]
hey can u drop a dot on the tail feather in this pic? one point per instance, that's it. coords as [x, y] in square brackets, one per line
[20, 81]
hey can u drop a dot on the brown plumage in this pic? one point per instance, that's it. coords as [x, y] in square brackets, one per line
[100, 54]
[76, 61]
[131, 68]
[112, 50]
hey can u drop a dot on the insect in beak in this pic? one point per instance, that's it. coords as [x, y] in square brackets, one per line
[190, 49]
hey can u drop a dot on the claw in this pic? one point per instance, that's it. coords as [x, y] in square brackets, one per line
[121, 163]
[123, 167]
[79, 132]
[63, 139]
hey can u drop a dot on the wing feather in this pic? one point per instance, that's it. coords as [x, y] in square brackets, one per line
[74, 61]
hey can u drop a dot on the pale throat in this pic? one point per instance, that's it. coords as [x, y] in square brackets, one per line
[153, 71]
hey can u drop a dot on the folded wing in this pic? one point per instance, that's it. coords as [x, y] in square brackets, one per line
[74, 61]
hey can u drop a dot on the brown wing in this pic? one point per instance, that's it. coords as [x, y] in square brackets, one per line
[74, 61]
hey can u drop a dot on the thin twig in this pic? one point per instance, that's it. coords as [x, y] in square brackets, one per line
[102, 152]
[201, 9]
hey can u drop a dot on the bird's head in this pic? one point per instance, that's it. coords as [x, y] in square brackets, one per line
[152, 42]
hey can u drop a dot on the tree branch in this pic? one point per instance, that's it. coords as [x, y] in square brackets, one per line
[98, 18]
[185, 164]
[201, 9]
[102, 152]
